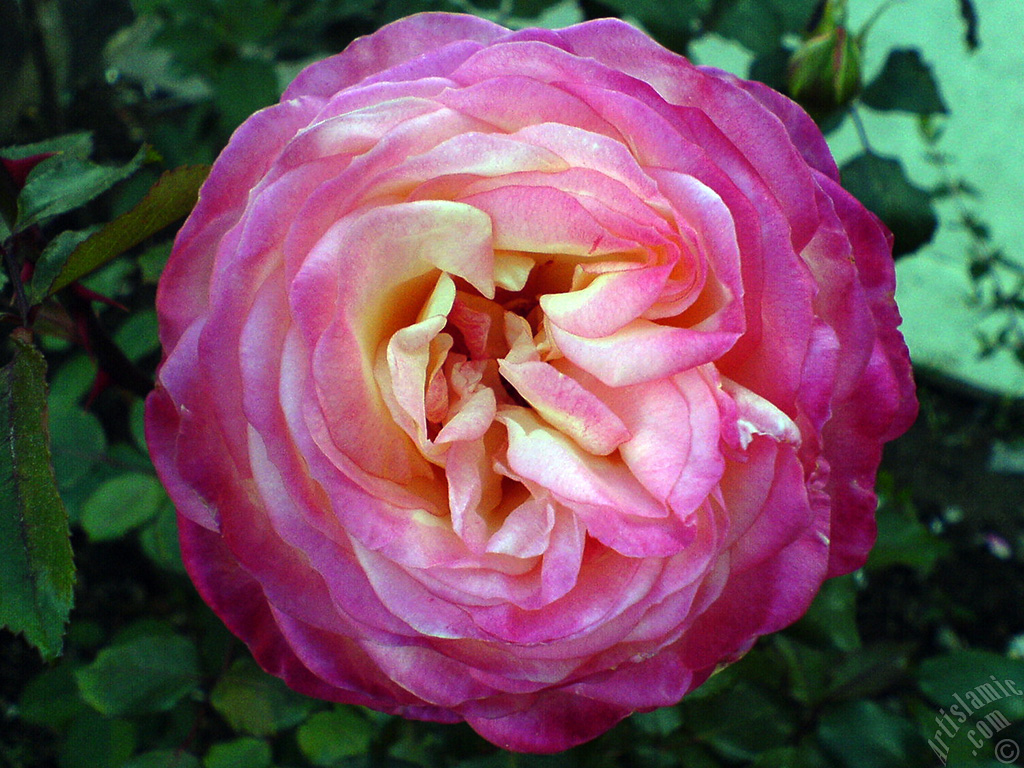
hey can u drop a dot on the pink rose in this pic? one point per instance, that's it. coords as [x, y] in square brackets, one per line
[522, 378]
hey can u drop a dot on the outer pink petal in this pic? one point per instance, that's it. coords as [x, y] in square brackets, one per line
[802, 130]
[402, 43]
[182, 295]
[711, 105]
[512, 102]
[240, 603]
[758, 601]
[552, 723]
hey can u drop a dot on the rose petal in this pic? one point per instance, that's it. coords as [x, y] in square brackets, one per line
[642, 351]
[615, 508]
[565, 404]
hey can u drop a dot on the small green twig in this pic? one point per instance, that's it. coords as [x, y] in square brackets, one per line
[862, 134]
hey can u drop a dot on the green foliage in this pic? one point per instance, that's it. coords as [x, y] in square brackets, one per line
[328, 737]
[906, 84]
[246, 751]
[243, 87]
[122, 503]
[830, 621]
[760, 25]
[902, 538]
[665, 20]
[739, 722]
[36, 569]
[52, 261]
[255, 703]
[146, 674]
[94, 740]
[863, 734]
[51, 699]
[72, 144]
[169, 200]
[169, 758]
[881, 184]
[66, 181]
[975, 676]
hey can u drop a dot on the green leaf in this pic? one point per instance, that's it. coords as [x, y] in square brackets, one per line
[169, 199]
[868, 672]
[64, 182]
[147, 674]
[904, 540]
[51, 698]
[52, 260]
[804, 756]
[166, 758]
[905, 84]
[247, 22]
[832, 618]
[37, 572]
[862, 734]
[139, 335]
[152, 261]
[880, 184]
[740, 722]
[256, 703]
[94, 740]
[137, 422]
[120, 504]
[72, 381]
[974, 679]
[760, 25]
[246, 751]
[78, 444]
[159, 539]
[77, 144]
[806, 669]
[660, 722]
[328, 737]
[677, 16]
[114, 279]
[243, 87]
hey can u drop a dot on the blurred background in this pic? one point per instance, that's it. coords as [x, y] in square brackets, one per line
[922, 102]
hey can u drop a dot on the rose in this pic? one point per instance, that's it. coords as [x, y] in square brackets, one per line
[522, 378]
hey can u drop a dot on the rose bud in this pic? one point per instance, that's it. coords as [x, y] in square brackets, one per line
[825, 71]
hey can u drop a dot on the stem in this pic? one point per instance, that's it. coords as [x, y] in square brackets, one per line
[861, 133]
[879, 11]
[8, 198]
[109, 356]
[50, 104]
[14, 274]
